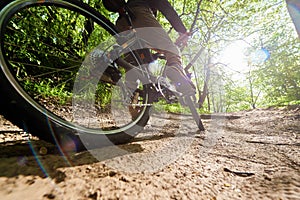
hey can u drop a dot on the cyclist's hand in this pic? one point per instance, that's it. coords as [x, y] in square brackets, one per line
[182, 39]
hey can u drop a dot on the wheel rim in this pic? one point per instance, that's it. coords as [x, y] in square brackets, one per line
[43, 72]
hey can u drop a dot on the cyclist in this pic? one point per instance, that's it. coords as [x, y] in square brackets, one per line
[144, 12]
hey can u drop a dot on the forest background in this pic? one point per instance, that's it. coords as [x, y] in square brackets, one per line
[247, 52]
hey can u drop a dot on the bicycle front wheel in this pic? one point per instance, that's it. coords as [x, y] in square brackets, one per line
[43, 45]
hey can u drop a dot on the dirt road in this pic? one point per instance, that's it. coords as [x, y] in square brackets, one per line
[253, 156]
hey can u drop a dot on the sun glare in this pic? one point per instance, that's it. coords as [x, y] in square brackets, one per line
[234, 57]
[236, 60]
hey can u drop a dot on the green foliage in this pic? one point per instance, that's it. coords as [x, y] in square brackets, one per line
[237, 98]
[280, 75]
[103, 95]
[47, 89]
[162, 106]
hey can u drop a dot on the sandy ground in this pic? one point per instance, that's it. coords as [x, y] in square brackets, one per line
[253, 156]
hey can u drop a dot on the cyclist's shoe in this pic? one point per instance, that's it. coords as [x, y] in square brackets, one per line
[178, 78]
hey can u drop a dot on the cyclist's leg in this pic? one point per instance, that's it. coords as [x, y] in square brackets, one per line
[158, 38]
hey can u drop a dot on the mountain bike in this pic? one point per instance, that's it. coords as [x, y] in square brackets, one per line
[57, 83]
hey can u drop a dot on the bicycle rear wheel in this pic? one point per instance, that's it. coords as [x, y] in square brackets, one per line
[43, 45]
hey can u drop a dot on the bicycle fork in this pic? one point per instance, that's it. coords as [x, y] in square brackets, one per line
[188, 99]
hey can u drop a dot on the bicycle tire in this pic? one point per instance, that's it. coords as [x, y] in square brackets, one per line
[25, 108]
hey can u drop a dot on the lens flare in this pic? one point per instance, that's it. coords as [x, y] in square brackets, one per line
[260, 56]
